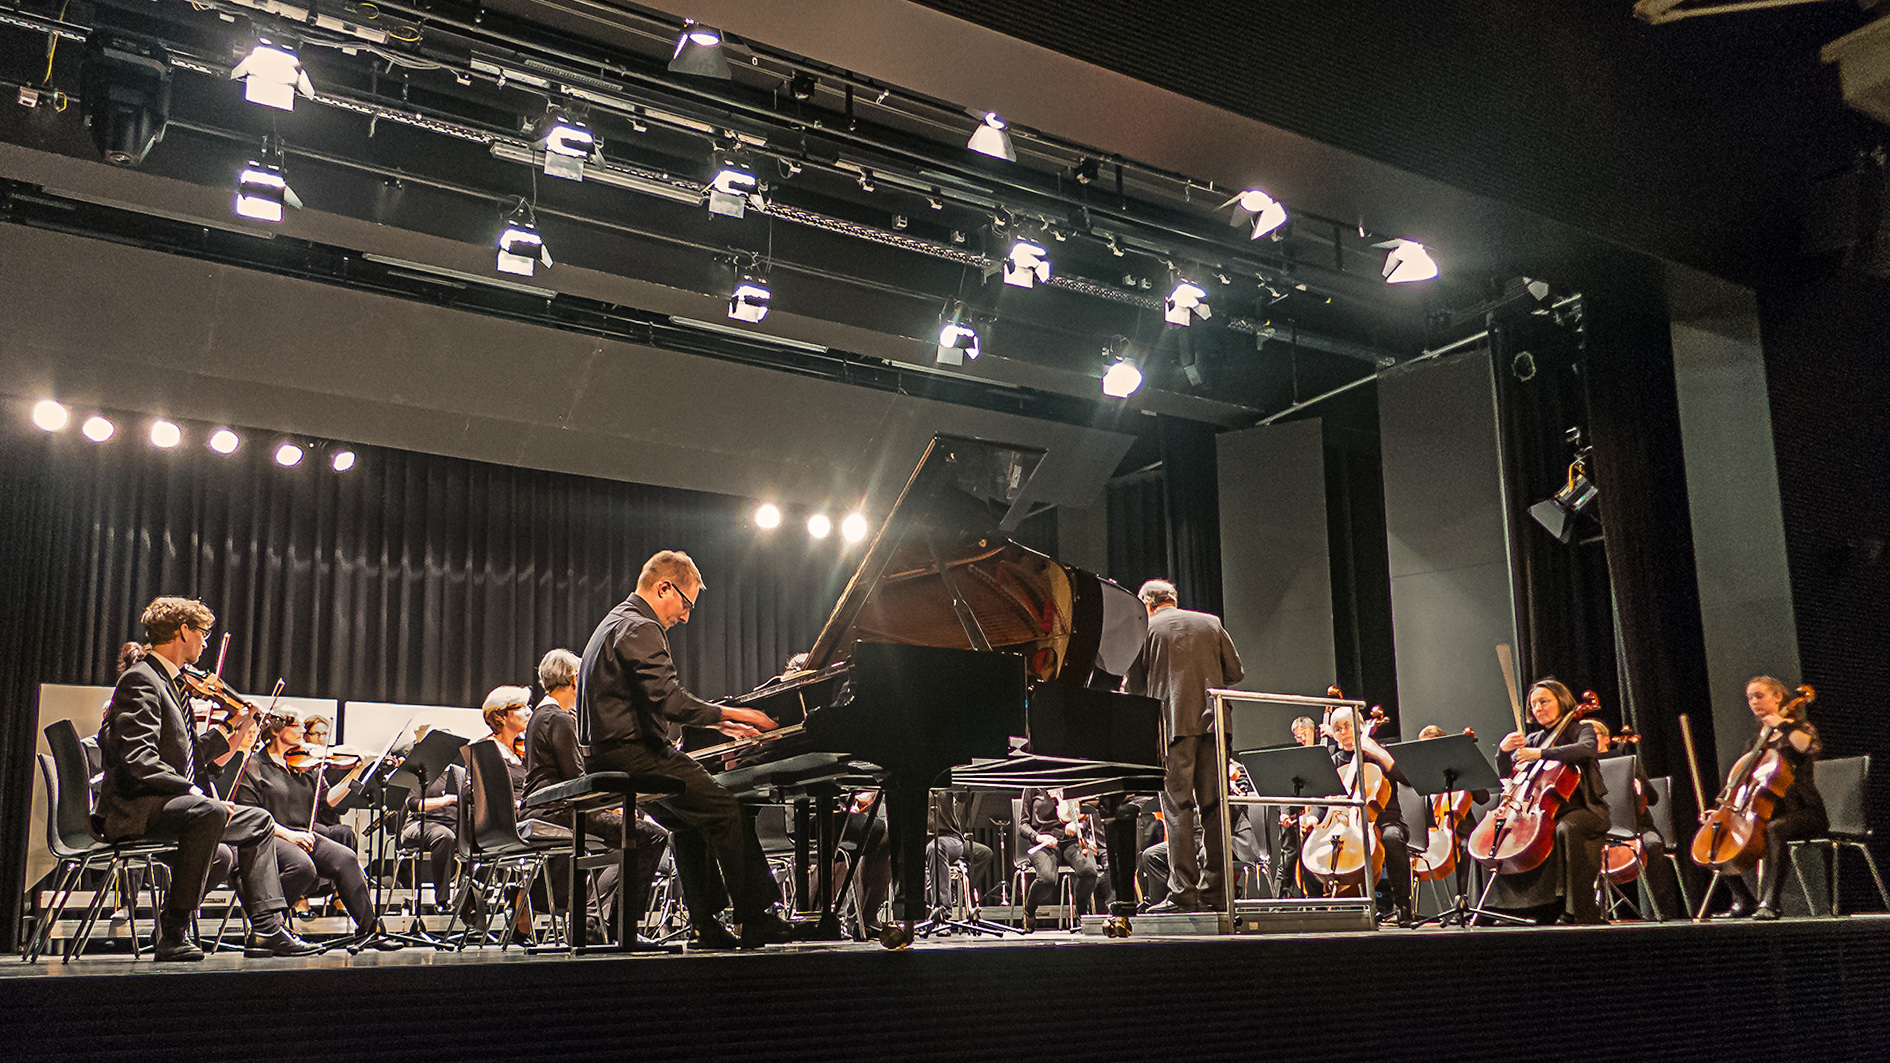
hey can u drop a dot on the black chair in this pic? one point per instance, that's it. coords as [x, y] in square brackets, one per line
[1842, 783]
[596, 792]
[500, 855]
[1617, 774]
[1661, 810]
[70, 838]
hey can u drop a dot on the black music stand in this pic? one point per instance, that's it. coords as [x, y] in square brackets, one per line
[1299, 771]
[1440, 765]
[425, 763]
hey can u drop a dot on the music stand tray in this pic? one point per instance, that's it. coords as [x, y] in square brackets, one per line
[1292, 771]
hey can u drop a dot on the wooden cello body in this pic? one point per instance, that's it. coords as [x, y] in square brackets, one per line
[1519, 833]
[1333, 854]
[1732, 836]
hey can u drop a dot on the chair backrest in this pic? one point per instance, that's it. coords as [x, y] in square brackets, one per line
[69, 789]
[1617, 774]
[1662, 810]
[490, 821]
[1023, 841]
[1842, 783]
[55, 842]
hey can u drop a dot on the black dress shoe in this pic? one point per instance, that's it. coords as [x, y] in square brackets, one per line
[769, 929]
[1764, 914]
[1740, 909]
[278, 942]
[177, 950]
[713, 935]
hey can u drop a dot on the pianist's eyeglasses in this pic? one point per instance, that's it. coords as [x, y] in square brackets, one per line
[689, 604]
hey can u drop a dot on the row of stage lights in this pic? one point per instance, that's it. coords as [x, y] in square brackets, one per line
[819, 525]
[52, 416]
[273, 76]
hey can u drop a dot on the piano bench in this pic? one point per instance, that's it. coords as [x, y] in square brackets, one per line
[590, 793]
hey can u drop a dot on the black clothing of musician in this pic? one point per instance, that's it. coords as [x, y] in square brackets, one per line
[1799, 812]
[1062, 849]
[1187, 653]
[631, 706]
[1573, 868]
[289, 797]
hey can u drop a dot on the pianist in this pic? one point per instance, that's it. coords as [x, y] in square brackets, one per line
[631, 706]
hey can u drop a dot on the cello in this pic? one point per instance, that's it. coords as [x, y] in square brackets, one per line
[1438, 861]
[1334, 852]
[1731, 837]
[1519, 833]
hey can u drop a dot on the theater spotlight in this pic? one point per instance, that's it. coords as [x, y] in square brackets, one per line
[288, 455]
[165, 435]
[1122, 378]
[224, 441]
[699, 52]
[1027, 264]
[272, 75]
[262, 189]
[343, 460]
[853, 529]
[1186, 301]
[956, 342]
[125, 94]
[768, 515]
[1557, 514]
[1266, 213]
[50, 416]
[819, 526]
[566, 143]
[98, 429]
[749, 300]
[521, 249]
[1407, 261]
[992, 138]
[733, 185]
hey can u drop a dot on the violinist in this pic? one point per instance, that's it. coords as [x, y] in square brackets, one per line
[304, 854]
[1052, 839]
[1798, 813]
[157, 785]
[1573, 867]
[507, 710]
[1392, 831]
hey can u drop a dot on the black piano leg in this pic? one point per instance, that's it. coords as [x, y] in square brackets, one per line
[1119, 816]
[803, 832]
[829, 807]
[905, 826]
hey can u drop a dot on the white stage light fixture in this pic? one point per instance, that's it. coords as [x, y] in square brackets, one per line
[98, 429]
[343, 460]
[566, 143]
[853, 529]
[956, 342]
[165, 435]
[993, 138]
[1186, 301]
[1027, 264]
[768, 515]
[1407, 261]
[749, 300]
[50, 416]
[521, 249]
[1122, 379]
[262, 189]
[819, 526]
[288, 455]
[1266, 212]
[699, 52]
[272, 75]
[733, 186]
[224, 441]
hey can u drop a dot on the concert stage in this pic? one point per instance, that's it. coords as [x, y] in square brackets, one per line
[1628, 991]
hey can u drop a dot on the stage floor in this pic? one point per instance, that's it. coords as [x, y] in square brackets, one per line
[1628, 991]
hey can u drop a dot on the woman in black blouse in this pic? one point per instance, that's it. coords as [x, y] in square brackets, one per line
[303, 854]
[507, 710]
[1572, 872]
[1799, 813]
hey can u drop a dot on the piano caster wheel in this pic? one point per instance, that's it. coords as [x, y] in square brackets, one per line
[1117, 927]
[896, 935]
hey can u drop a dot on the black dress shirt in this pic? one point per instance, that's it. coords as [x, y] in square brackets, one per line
[627, 686]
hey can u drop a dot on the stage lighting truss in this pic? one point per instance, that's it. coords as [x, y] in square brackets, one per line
[749, 300]
[1027, 264]
[699, 52]
[521, 249]
[734, 187]
[566, 143]
[272, 75]
[1186, 301]
[1266, 213]
[125, 94]
[993, 138]
[262, 188]
[1407, 261]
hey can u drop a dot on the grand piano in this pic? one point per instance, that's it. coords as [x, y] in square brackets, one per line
[957, 657]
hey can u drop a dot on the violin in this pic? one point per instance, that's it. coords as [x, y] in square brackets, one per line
[518, 745]
[1732, 836]
[1438, 861]
[1334, 851]
[1519, 833]
[310, 755]
[210, 687]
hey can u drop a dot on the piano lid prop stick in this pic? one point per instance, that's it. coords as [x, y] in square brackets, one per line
[1508, 662]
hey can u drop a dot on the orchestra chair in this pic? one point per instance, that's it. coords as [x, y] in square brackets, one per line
[500, 855]
[1661, 812]
[77, 849]
[1842, 783]
[1023, 872]
[1617, 775]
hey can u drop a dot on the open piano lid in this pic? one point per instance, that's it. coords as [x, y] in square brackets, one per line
[952, 514]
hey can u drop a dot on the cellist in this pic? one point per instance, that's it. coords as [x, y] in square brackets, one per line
[1798, 813]
[1573, 868]
[1392, 831]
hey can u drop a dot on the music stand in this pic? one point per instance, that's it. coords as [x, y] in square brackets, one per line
[424, 764]
[1295, 771]
[1440, 765]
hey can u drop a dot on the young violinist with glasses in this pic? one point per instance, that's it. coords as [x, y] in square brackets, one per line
[1798, 813]
[304, 853]
[1573, 868]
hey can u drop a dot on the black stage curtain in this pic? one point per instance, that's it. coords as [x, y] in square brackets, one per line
[411, 578]
[1138, 528]
[1192, 499]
